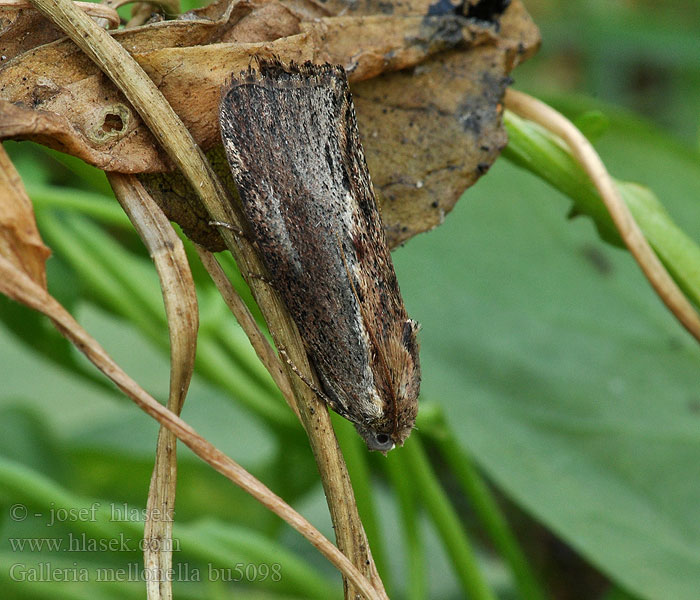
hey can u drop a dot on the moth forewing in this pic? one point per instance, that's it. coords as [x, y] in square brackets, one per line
[291, 139]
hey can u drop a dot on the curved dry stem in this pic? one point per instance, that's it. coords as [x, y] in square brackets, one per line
[21, 288]
[238, 307]
[179, 295]
[96, 11]
[582, 150]
[172, 135]
[180, 299]
[140, 13]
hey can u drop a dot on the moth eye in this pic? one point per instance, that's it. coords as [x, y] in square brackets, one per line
[381, 442]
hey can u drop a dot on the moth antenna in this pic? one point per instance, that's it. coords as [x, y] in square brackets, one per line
[310, 384]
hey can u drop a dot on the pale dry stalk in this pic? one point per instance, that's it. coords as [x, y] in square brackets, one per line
[172, 135]
[180, 299]
[532, 109]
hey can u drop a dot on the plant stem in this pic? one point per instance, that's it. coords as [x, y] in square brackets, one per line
[489, 513]
[396, 467]
[176, 140]
[447, 522]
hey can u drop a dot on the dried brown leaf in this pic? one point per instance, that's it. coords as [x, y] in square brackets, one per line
[191, 78]
[20, 242]
[221, 21]
[175, 196]
[22, 27]
[429, 134]
[372, 45]
[76, 109]
[429, 130]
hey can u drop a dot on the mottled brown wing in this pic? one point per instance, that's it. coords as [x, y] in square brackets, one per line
[291, 139]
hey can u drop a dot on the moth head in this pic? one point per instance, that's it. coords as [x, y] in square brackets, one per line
[376, 440]
[398, 416]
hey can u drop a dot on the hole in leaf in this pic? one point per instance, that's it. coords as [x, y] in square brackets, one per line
[112, 123]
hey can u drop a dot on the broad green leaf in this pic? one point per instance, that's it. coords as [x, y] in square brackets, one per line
[564, 375]
[537, 151]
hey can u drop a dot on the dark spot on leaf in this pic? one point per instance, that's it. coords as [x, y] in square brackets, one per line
[694, 406]
[487, 10]
[445, 7]
[599, 260]
[440, 32]
[471, 121]
[477, 110]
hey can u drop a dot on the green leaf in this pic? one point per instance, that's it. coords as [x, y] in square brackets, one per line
[536, 150]
[593, 124]
[28, 439]
[563, 374]
[76, 169]
[202, 546]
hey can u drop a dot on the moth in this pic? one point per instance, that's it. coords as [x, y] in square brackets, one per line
[291, 140]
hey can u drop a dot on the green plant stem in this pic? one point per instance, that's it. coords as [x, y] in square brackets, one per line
[406, 494]
[446, 521]
[98, 206]
[83, 246]
[356, 458]
[217, 367]
[233, 341]
[21, 485]
[123, 285]
[91, 176]
[489, 513]
[536, 150]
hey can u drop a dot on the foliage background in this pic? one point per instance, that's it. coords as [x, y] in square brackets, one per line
[556, 368]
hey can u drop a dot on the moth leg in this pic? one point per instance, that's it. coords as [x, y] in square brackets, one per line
[242, 234]
[239, 232]
[262, 278]
[310, 384]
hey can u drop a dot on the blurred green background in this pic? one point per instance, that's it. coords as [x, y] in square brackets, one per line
[548, 363]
